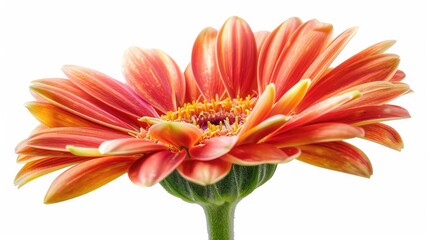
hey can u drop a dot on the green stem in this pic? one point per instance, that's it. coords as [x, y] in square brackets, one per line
[220, 221]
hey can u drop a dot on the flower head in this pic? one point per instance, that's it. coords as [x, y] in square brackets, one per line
[246, 98]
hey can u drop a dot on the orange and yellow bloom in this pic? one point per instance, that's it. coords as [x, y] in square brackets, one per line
[246, 98]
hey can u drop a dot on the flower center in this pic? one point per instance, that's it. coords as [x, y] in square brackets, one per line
[215, 117]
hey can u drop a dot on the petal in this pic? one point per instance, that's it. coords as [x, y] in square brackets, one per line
[84, 151]
[109, 91]
[377, 93]
[287, 103]
[263, 129]
[155, 77]
[204, 64]
[398, 76]
[42, 166]
[213, 148]
[384, 135]
[318, 110]
[237, 57]
[57, 139]
[86, 177]
[322, 132]
[154, 168]
[338, 156]
[53, 116]
[192, 91]
[260, 38]
[277, 41]
[349, 74]
[261, 109]
[256, 154]
[204, 172]
[305, 45]
[128, 146]
[324, 60]
[178, 134]
[64, 94]
[366, 115]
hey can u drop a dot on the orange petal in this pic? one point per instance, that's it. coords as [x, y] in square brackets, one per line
[324, 60]
[53, 116]
[384, 135]
[322, 132]
[64, 94]
[263, 129]
[277, 41]
[377, 93]
[129, 146]
[178, 134]
[366, 115]
[306, 44]
[204, 64]
[213, 148]
[398, 76]
[261, 109]
[155, 167]
[349, 74]
[204, 172]
[318, 110]
[338, 156]
[256, 154]
[86, 177]
[109, 91]
[237, 57]
[42, 166]
[57, 139]
[287, 103]
[155, 77]
[192, 91]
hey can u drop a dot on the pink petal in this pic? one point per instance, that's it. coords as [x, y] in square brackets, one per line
[338, 156]
[237, 57]
[192, 91]
[277, 41]
[42, 166]
[86, 177]
[178, 134]
[398, 76]
[154, 168]
[204, 172]
[305, 45]
[256, 154]
[260, 38]
[213, 148]
[155, 77]
[110, 91]
[366, 115]
[322, 132]
[384, 135]
[324, 60]
[129, 146]
[204, 64]
[64, 94]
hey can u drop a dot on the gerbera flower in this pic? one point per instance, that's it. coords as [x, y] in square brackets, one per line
[246, 98]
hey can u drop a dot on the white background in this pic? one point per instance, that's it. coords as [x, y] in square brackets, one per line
[299, 202]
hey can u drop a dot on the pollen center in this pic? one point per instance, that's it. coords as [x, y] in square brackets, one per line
[215, 117]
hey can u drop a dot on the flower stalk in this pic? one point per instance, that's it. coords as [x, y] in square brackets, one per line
[220, 221]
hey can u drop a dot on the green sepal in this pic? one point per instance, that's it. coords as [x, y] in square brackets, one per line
[239, 182]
